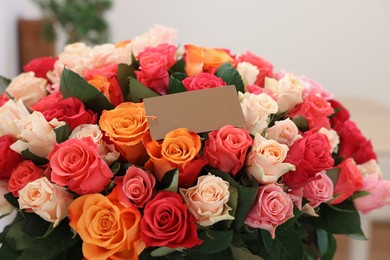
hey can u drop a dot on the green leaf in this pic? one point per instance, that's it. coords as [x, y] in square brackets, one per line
[16, 238]
[301, 123]
[231, 76]
[333, 174]
[346, 206]
[4, 82]
[162, 251]
[34, 225]
[322, 241]
[213, 241]
[124, 72]
[359, 194]
[179, 66]
[138, 91]
[246, 198]
[12, 199]
[174, 184]
[7, 252]
[115, 167]
[286, 245]
[175, 85]
[35, 158]
[73, 85]
[62, 133]
[243, 253]
[134, 61]
[340, 222]
[332, 246]
[167, 180]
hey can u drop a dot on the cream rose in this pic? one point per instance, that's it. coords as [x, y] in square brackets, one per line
[207, 201]
[256, 110]
[265, 160]
[288, 90]
[248, 73]
[10, 113]
[36, 134]
[5, 207]
[46, 199]
[371, 167]
[28, 88]
[333, 138]
[284, 132]
[106, 54]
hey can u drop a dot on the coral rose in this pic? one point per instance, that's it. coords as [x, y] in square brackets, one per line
[26, 172]
[202, 81]
[167, 222]
[9, 159]
[226, 148]
[46, 199]
[78, 165]
[125, 126]
[109, 226]
[207, 201]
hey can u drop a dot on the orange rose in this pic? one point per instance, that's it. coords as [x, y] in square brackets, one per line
[179, 149]
[199, 59]
[125, 126]
[109, 87]
[109, 226]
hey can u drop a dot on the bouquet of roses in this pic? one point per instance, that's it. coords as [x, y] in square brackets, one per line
[85, 179]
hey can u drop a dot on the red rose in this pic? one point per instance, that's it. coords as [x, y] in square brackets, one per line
[226, 148]
[167, 222]
[350, 180]
[77, 164]
[26, 172]
[353, 143]
[202, 81]
[9, 159]
[265, 67]
[3, 98]
[310, 155]
[72, 111]
[341, 113]
[40, 66]
[47, 101]
[316, 111]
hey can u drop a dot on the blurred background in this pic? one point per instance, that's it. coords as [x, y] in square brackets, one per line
[345, 45]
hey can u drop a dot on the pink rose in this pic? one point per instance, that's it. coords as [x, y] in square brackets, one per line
[272, 207]
[319, 190]
[72, 111]
[78, 165]
[138, 186]
[202, 81]
[226, 148]
[265, 67]
[9, 159]
[47, 200]
[254, 89]
[284, 132]
[379, 194]
[26, 172]
[314, 88]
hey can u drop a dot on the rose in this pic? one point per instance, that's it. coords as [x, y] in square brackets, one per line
[109, 87]
[27, 87]
[350, 179]
[264, 67]
[125, 126]
[318, 190]
[72, 111]
[272, 207]
[9, 159]
[105, 55]
[108, 71]
[333, 138]
[254, 89]
[208, 200]
[36, 134]
[341, 114]
[47, 200]
[256, 110]
[288, 90]
[310, 154]
[138, 186]
[316, 110]
[265, 160]
[109, 226]
[353, 143]
[200, 59]
[106, 151]
[167, 222]
[40, 66]
[248, 73]
[314, 88]
[77, 164]
[5, 206]
[226, 148]
[26, 172]
[10, 113]
[202, 81]
[284, 132]
[179, 149]
[47, 102]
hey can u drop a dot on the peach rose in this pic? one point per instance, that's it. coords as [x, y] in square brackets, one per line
[256, 109]
[109, 226]
[125, 126]
[47, 200]
[248, 73]
[207, 201]
[28, 88]
[265, 160]
[36, 134]
[284, 132]
[333, 138]
[10, 113]
[5, 206]
[318, 190]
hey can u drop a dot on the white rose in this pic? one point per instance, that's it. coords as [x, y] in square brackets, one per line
[10, 113]
[333, 138]
[248, 72]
